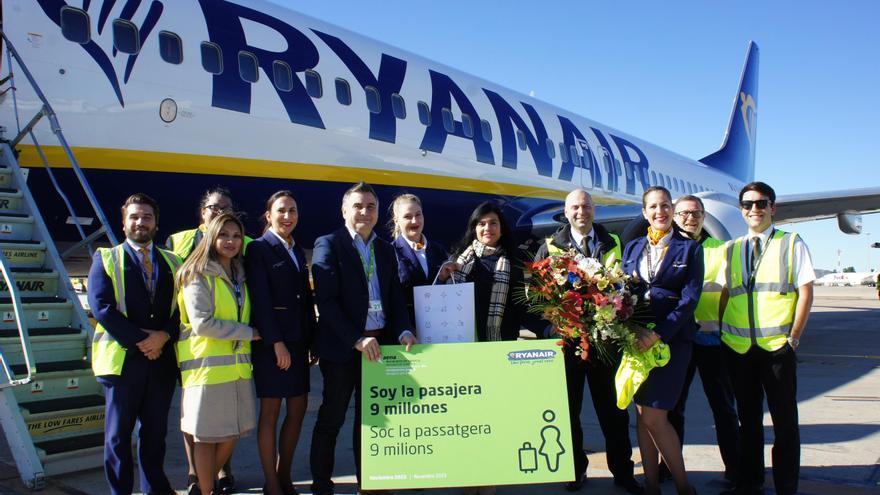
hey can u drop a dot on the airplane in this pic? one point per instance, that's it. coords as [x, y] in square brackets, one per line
[169, 98]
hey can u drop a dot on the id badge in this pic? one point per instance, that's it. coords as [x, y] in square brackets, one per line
[375, 305]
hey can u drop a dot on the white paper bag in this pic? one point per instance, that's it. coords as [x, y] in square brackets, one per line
[445, 313]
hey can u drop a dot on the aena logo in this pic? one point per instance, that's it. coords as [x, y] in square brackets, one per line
[95, 46]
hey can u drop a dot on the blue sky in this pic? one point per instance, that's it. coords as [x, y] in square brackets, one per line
[667, 72]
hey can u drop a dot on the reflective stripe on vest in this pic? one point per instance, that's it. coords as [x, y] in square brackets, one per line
[609, 259]
[208, 361]
[760, 311]
[706, 312]
[107, 355]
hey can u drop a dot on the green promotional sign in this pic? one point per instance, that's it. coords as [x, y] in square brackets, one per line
[471, 414]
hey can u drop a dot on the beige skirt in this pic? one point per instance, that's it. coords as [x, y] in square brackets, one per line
[218, 413]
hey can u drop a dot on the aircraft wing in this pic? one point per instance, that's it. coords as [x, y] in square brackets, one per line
[846, 205]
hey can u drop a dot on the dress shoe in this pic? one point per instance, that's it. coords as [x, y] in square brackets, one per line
[576, 485]
[192, 485]
[226, 485]
[663, 473]
[630, 485]
[743, 491]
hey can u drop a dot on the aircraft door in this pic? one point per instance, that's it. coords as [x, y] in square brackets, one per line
[588, 165]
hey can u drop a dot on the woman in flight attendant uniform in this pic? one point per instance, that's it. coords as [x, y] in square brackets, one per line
[670, 266]
[283, 311]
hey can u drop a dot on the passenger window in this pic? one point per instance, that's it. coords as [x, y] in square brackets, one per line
[247, 67]
[424, 113]
[563, 152]
[282, 76]
[486, 129]
[467, 125]
[575, 156]
[551, 148]
[170, 47]
[125, 37]
[313, 84]
[398, 106]
[212, 58]
[343, 91]
[521, 139]
[653, 178]
[373, 103]
[75, 25]
[448, 122]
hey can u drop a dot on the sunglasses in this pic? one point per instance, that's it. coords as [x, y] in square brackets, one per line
[747, 204]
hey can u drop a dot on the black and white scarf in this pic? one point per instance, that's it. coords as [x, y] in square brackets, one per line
[498, 298]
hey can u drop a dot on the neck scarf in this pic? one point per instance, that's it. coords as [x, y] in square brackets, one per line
[501, 281]
[655, 235]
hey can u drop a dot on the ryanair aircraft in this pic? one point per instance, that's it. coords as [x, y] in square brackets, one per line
[170, 97]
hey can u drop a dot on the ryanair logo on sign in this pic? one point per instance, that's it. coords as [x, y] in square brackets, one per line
[531, 355]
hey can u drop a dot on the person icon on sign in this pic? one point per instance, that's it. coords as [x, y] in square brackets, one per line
[551, 447]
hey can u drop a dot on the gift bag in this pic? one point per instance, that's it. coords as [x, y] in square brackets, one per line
[444, 313]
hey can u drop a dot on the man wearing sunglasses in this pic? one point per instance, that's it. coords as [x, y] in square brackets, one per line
[768, 291]
[708, 357]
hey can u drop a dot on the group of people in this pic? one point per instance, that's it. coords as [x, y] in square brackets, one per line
[225, 315]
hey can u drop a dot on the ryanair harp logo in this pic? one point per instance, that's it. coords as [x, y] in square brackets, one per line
[749, 112]
[100, 38]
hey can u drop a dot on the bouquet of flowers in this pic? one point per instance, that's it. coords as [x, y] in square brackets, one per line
[587, 303]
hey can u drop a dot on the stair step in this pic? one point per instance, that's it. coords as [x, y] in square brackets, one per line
[58, 384]
[53, 366]
[24, 254]
[54, 405]
[51, 447]
[43, 283]
[16, 228]
[40, 332]
[59, 347]
[44, 314]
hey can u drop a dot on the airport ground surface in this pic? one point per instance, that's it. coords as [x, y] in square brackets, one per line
[838, 392]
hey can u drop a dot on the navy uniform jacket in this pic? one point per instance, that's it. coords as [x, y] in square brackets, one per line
[676, 287]
[282, 306]
[343, 297]
[142, 313]
[409, 269]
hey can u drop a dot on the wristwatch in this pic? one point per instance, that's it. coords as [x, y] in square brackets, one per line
[793, 342]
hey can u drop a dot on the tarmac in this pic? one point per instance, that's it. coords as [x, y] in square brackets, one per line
[839, 406]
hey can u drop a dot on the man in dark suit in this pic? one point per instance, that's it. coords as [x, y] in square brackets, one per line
[131, 294]
[361, 306]
[591, 239]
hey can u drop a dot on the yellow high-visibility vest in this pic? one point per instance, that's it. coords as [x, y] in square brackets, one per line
[208, 361]
[108, 355]
[706, 312]
[609, 259]
[760, 311]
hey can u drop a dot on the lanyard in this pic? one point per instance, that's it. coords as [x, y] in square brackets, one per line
[369, 269]
[239, 296]
[652, 268]
[150, 279]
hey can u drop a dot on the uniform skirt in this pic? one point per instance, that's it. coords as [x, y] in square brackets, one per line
[218, 413]
[663, 387]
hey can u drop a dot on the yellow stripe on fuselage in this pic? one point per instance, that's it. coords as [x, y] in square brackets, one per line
[155, 161]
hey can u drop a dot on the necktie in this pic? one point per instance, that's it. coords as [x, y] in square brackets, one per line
[585, 246]
[756, 254]
[148, 269]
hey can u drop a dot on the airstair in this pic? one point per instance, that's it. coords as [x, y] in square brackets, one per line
[51, 406]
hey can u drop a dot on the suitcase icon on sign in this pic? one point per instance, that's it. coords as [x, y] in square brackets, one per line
[528, 458]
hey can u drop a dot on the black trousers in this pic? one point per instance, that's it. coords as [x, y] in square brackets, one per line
[340, 381]
[718, 387]
[614, 422]
[756, 373]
